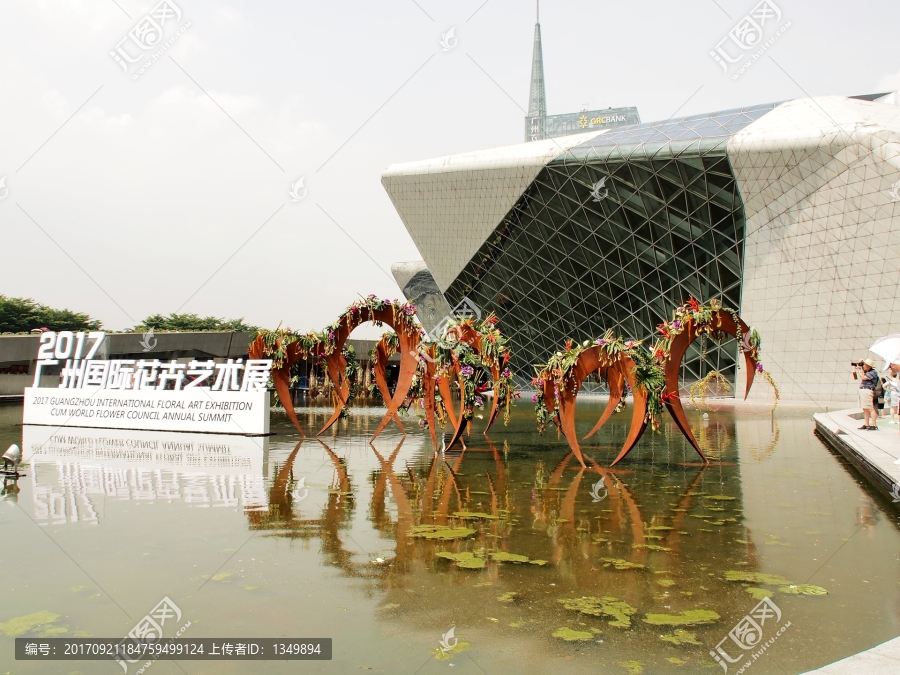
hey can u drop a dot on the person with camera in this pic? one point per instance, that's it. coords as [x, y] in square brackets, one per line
[869, 381]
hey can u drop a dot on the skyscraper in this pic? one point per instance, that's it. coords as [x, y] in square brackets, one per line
[537, 100]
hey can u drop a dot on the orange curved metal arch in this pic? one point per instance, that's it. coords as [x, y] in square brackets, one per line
[473, 338]
[281, 377]
[382, 354]
[617, 369]
[336, 363]
[723, 322]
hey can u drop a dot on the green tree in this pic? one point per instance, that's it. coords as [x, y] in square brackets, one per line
[20, 315]
[192, 322]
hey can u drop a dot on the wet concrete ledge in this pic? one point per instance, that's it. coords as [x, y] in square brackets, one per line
[881, 660]
[876, 453]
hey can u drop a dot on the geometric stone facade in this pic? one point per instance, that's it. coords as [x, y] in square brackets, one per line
[790, 213]
[822, 252]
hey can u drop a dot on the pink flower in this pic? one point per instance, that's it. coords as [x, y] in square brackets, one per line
[534, 397]
[759, 366]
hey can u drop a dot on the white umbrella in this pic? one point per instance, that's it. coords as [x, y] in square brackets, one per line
[887, 348]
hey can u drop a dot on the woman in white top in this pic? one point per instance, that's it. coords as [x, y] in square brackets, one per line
[892, 391]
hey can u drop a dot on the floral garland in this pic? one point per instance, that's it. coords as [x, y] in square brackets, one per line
[364, 310]
[474, 367]
[275, 343]
[703, 322]
[648, 375]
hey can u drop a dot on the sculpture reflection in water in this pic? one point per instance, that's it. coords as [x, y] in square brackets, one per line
[605, 531]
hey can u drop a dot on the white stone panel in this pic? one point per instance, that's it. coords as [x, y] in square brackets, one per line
[451, 205]
[823, 239]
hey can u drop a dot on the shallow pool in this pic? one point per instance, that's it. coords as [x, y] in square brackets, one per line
[536, 564]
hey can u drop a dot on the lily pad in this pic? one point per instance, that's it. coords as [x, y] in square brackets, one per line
[466, 559]
[720, 498]
[756, 578]
[441, 532]
[633, 667]
[803, 589]
[26, 624]
[666, 582]
[652, 547]
[503, 556]
[537, 562]
[509, 596]
[475, 514]
[605, 606]
[570, 635]
[690, 617]
[676, 660]
[447, 654]
[681, 637]
[621, 564]
[759, 593]
[659, 527]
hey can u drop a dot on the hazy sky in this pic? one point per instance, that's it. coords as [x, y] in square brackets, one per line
[170, 192]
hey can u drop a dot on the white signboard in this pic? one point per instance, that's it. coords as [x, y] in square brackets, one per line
[200, 396]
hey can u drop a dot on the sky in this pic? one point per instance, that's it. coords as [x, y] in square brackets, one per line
[174, 188]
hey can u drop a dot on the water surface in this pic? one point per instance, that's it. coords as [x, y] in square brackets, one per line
[282, 538]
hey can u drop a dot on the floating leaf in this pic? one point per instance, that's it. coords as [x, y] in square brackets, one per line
[620, 564]
[570, 635]
[517, 624]
[465, 559]
[537, 562]
[676, 660]
[475, 514]
[447, 654]
[390, 605]
[681, 637]
[222, 576]
[756, 578]
[605, 606]
[720, 498]
[25, 624]
[660, 527]
[441, 532]
[503, 556]
[634, 667]
[651, 547]
[666, 582]
[690, 617]
[759, 593]
[509, 596]
[803, 589]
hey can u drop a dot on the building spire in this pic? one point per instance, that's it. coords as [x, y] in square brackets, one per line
[537, 100]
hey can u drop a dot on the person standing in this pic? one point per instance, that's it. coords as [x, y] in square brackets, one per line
[893, 387]
[868, 381]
